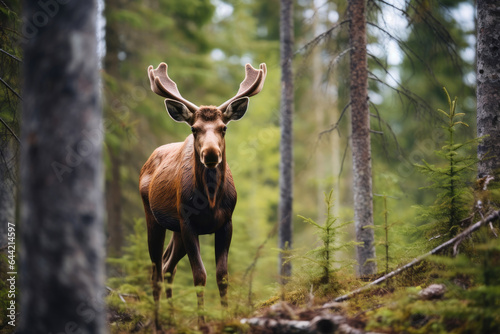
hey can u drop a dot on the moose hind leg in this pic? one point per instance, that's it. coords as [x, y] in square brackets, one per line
[173, 254]
[222, 242]
[156, 238]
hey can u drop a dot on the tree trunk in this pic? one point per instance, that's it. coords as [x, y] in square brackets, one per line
[9, 106]
[361, 150]
[61, 267]
[488, 86]
[286, 151]
[8, 188]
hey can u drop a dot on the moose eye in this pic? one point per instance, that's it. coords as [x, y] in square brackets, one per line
[224, 129]
[193, 130]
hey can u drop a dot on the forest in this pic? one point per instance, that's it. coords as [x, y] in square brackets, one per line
[366, 166]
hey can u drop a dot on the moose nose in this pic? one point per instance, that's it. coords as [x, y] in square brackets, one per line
[211, 157]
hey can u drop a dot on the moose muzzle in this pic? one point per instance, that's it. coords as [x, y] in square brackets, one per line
[211, 157]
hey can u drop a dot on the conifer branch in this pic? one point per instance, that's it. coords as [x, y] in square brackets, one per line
[452, 242]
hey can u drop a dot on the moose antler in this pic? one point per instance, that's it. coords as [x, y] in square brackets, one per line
[162, 85]
[252, 85]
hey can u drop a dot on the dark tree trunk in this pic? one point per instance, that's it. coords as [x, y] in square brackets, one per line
[9, 105]
[61, 265]
[361, 149]
[286, 151]
[8, 188]
[488, 86]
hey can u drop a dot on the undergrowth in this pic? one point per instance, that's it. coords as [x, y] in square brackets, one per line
[450, 181]
[131, 305]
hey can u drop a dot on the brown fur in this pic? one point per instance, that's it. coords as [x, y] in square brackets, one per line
[182, 195]
[208, 114]
[188, 188]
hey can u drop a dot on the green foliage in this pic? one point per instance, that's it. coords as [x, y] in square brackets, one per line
[387, 228]
[449, 181]
[132, 295]
[323, 255]
[470, 304]
[318, 280]
[205, 48]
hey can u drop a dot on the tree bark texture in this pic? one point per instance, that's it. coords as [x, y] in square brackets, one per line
[286, 151]
[61, 266]
[488, 86]
[8, 188]
[360, 138]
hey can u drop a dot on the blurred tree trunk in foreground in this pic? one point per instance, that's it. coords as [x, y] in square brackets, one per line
[286, 146]
[61, 267]
[361, 147]
[488, 86]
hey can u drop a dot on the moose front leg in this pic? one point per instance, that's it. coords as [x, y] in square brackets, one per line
[222, 242]
[192, 247]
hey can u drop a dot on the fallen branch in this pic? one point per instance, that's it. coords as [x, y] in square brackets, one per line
[454, 241]
[321, 324]
[121, 295]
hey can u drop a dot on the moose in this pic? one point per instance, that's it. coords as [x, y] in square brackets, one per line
[187, 187]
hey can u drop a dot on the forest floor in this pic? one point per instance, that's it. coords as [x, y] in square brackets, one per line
[381, 309]
[440, 295]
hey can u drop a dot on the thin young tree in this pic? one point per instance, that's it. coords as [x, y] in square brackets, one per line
[488, 87]
[286, 146]
[361, 149]
[61, 266]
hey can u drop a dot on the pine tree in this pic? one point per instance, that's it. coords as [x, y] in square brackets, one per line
[453, 200]
[324, 254]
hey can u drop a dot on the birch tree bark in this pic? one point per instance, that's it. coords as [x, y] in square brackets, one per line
[61, 267]
[361, 149]
[286, 151]
[488, 86]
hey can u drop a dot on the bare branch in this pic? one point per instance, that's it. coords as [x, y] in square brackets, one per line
[415, 99]
[336, 125]
[405, 48]
[452, 242]
[11, 55]
[383, 122]
[11, 89]
[325, 323]
[343, 158]
[9, 129]
[316, 40]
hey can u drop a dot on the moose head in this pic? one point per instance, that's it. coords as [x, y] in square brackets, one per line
[208, 123]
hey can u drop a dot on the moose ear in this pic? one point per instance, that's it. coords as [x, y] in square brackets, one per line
[236, 109]
[178, 111]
